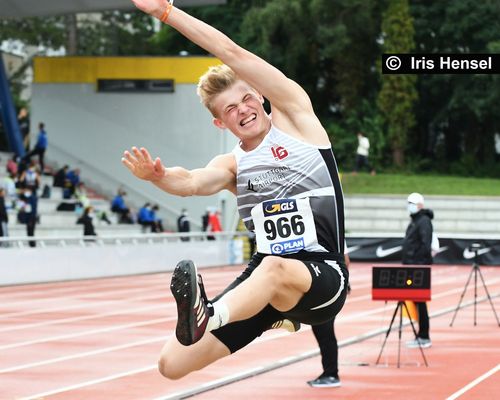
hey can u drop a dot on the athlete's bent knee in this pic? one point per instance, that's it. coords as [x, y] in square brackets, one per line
[271, 268]
[169, 370]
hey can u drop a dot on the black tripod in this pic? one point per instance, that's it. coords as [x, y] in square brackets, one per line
[399, 307]
[475, 247]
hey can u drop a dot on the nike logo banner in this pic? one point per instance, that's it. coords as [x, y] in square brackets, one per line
[451, 250]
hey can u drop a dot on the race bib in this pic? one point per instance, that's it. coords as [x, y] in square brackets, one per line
[283, 226]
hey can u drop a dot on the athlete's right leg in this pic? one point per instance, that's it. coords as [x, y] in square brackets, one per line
[177, 360]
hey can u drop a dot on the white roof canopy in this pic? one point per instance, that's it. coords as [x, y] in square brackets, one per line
[39, 8]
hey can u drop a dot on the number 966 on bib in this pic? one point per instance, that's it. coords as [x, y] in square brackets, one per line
[283, 226]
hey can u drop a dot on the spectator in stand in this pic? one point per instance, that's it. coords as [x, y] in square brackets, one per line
[145, 217]
[30, 178]
[40, 147]
[24, 126]
[119, 207]
[81, 195]
[4, 217]
[11, 166]
[60, 177]
[183, 224]
[86, 221]
[9, 185]
[204, 223]
[72, 181]
[157, 221]
[214, 221]
[27, 214]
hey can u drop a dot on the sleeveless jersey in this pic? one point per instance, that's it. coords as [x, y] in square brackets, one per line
[289, 193]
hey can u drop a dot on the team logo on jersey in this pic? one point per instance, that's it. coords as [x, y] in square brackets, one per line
[281, 206]
[279, 152]
[250, 186]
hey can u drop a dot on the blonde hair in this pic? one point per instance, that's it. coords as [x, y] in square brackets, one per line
[217, 79]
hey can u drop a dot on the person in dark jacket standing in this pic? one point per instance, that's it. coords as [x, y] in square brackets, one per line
[417, 251]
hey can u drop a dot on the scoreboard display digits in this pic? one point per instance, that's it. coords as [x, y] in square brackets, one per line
[401, 283]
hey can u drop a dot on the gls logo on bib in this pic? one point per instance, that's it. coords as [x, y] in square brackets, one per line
[281, 206]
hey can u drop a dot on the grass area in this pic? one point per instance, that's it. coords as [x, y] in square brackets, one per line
[425, 184]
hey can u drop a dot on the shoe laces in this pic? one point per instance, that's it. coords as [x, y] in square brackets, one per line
[277, 324]
[203, 295]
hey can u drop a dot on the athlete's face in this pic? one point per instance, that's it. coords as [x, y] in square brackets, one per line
[240, 110]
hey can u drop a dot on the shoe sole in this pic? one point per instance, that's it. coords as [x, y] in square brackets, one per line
[424, 346]
[183, 285]
[324, 386]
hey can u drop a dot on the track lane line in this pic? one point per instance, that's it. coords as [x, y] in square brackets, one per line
[475, 382]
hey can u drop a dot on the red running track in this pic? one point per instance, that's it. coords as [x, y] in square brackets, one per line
[99, 339]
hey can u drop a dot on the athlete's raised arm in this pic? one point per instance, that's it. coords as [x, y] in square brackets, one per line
[216, 176]
[285, 95]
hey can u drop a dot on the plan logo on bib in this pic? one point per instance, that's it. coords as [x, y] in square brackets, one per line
[290, 246]
[281, 206]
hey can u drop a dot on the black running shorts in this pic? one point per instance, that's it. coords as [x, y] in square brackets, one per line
[321, 303]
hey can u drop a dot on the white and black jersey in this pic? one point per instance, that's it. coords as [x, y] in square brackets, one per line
[291, 188]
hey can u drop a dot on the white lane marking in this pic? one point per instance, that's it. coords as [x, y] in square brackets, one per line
[132, 372]
[85, 317]
[83, 354]
[96, 316]
[163, 287]
[83, 333]
[476, 381]
[69, 286]
[92, 382]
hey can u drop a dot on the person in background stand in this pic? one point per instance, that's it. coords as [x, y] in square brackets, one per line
[11, 166]
[60, 177]
[204, 223]
[28, 207]
[183, 224]
[145, 217]
[71, 182]
[157, 221]
[30, 178]
[40, 147]
[119, 207]
[417, 250]
[86, 221]
[4, 217]
[23, 120]
[214, 224]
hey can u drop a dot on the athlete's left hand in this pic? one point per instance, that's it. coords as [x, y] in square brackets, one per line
[142, 165]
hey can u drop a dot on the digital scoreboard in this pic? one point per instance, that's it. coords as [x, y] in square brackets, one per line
[401, 282]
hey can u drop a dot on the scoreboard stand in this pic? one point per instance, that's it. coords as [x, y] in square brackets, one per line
[401, 282]
[399, 308]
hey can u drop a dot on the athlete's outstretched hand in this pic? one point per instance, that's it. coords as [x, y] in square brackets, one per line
[151, 7]
[142, 165]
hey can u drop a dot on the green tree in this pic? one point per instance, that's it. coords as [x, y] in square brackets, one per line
[457, 114]
[398, 94]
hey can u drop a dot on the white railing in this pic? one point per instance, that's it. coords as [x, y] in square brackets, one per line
[117, 239]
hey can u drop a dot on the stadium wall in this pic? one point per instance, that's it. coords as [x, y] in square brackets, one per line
[90, 129]
[51, 264]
